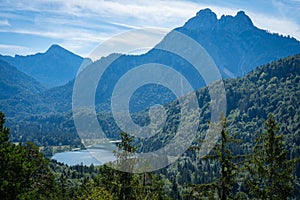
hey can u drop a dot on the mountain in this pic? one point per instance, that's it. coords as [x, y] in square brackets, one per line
[53, 68]
[14, 82]
[235, 44]
[273, 87]
[18, 91]
[44, 116]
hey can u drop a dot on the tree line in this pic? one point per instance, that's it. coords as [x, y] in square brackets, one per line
[265, 173]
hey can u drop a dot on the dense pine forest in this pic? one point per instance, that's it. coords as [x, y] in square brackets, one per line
[256, 157]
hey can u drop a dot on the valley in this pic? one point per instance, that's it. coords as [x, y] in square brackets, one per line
[42, 154]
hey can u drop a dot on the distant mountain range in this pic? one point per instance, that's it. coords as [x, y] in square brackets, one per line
[42, 84]
[273, 87]
[16, 83]
[235, 44]
[20, 94]
[53, 68]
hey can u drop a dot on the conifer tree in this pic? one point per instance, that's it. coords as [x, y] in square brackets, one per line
[222, 187]
[127, 185]
[123, 155]
[120, 184]
[270, 171]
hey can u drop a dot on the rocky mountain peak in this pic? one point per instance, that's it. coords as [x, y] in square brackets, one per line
[239, 22]
[207, 20]
[55, 48]
[204, 20]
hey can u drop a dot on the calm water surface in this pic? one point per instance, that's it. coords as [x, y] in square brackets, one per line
[96, 155]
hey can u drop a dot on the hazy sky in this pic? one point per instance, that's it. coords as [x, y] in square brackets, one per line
[28, 27]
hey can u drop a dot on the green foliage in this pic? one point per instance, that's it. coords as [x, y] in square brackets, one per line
[94, 192]
[24, 170]
[117, 184]
[221, 187]
[133, 186]
[270, 172]
[271, 88]
[125, 179]
[4, 132]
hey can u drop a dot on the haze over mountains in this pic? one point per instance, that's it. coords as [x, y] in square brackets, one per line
[234, 43]
[53, 68]
[260, 75]
[41, 84]
[273, 87]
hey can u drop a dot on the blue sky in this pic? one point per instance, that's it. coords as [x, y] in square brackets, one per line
[28, 27]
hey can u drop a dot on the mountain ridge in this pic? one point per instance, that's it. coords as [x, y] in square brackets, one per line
[273, 87]
[235, 44]
[206, 19]
[8, 72]
[235, 53]
[55, 67]
[20, 94]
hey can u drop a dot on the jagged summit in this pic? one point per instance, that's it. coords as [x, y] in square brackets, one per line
[206, 13]
[242, 17]
[207, 20]
[204, 19]
[235, 44]
[239, 22]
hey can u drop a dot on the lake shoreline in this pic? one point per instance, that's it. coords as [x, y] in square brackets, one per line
[96, 155]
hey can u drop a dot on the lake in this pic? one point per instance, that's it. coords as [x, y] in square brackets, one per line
[96, 155]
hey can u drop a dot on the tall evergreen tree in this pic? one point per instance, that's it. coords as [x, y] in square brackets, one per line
[125, 160]
[270, 171]
[121, 185]
[222, 187]
[127, 185]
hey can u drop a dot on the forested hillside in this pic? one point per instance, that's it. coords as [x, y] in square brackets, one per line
[273, 88]
[235, 51]
[210, 111]
[266, 172]
[19, 93]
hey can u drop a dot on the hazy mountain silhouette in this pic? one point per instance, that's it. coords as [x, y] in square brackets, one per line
[14, 82]
[234, 43]
[53, 68]
[19, 93]
[273, 87]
